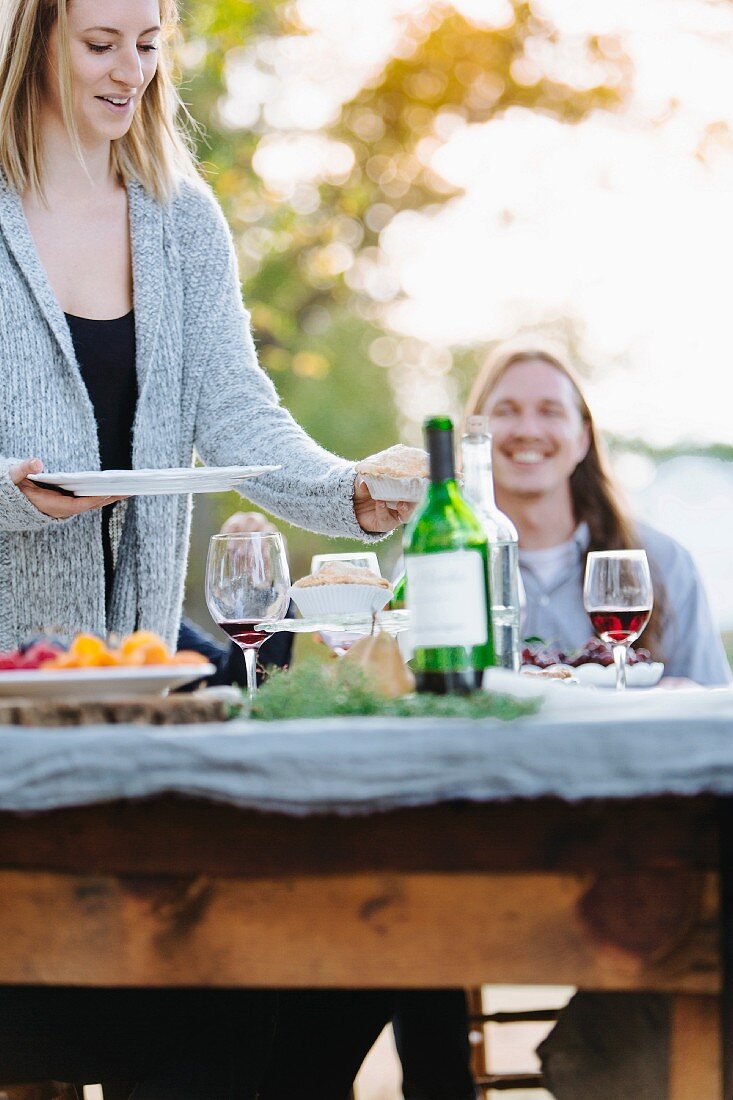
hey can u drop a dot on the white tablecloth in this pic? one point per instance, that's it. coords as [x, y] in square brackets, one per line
[580, 746]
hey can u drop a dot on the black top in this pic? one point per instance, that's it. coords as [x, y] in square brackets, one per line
[105, 351]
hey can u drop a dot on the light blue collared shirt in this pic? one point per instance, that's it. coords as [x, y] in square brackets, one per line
[691, 645]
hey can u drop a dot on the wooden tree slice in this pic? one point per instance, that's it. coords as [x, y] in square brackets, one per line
[154, 710]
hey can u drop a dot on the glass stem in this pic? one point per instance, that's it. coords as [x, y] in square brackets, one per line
[250, 664]
[619, 659]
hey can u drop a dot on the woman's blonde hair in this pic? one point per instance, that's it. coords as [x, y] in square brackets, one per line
[597, 499]
[156, 151]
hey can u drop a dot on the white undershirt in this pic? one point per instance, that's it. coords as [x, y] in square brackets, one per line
[550, 563]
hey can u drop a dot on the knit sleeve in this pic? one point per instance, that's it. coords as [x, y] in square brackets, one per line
[239, 417]
[16, 511]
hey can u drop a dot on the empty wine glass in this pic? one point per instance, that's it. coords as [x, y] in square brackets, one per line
[618, 597]
[247, 583]
[362, 559]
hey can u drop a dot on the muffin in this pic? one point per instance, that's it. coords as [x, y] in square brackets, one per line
[338, 588]
[399, 473]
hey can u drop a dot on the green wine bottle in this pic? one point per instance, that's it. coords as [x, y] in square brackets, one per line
[447, 566]
[398, 601]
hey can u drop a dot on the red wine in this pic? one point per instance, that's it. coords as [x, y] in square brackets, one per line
[243, 633]
[619, 624]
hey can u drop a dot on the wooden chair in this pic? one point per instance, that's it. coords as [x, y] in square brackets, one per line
[500, 1082]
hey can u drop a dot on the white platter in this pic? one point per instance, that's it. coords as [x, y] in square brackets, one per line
[593, 675]
[98, 683]
[357, 623]
[201, 479]
[637, 676]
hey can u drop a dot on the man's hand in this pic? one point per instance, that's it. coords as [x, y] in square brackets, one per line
[375, 516]
[48, 501]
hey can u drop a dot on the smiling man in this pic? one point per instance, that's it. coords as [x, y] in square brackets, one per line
[540, 436]
[551, 478]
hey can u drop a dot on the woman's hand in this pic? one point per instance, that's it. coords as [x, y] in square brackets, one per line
[375, 516]
[248, 523]
[47, 501]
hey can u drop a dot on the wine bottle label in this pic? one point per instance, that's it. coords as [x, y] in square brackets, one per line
[446, 593]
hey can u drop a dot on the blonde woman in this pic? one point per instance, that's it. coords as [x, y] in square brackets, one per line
[124, 343]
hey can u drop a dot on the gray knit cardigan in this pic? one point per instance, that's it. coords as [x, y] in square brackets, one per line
[199, 386]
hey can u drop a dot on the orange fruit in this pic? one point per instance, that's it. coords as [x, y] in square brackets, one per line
[107, 659]
[155, 653]
[88, 651]
[188, 657]
[131, 657]
[137, 640]
[114, 658]
[86, 645]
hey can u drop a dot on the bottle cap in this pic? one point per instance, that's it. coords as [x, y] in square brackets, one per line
[477, 425]
[438, 423]
[439, 444]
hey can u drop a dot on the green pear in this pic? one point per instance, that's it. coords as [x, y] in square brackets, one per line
[379, 656]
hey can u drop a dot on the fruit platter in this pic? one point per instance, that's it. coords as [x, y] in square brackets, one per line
[592, 664]
[90, 668]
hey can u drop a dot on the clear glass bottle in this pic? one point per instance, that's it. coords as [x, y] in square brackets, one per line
[447, 567]
[478, 489]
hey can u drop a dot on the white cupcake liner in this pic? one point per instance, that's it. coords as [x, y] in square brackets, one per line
[392, 489]
[339, 599]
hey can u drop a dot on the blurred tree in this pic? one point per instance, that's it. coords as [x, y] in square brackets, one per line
[317, 281]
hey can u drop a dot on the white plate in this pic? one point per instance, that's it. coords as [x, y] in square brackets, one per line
[201, 479]
[359, 623]
[637, 676]
[641, 675]
[97, 683]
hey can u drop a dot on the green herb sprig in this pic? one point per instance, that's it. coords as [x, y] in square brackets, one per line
[315, 689]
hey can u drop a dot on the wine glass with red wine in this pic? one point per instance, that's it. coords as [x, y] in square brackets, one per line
[247, 583]
[618, 597]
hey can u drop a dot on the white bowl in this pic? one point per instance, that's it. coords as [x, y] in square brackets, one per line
[392, 489]
[637, 676]
[339, 599]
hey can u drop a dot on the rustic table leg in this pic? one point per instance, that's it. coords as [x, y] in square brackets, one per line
[695, 1048]
[725, 841]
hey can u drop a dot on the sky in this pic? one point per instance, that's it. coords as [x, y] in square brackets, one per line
[622, 223]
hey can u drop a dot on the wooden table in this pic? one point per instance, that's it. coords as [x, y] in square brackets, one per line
[604, 894]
